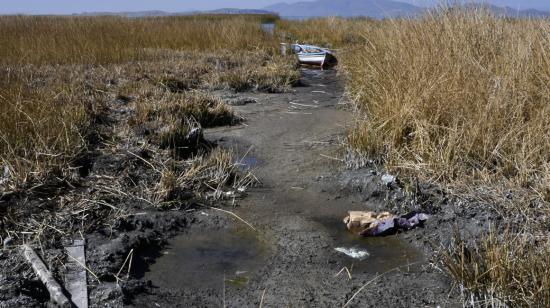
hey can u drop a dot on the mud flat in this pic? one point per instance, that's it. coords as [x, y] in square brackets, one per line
[291, 255]
[293, 143]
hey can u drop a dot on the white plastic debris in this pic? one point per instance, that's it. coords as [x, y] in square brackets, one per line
[388, 179]
[353, 252]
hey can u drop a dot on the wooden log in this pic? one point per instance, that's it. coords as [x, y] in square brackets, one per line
[56, 292]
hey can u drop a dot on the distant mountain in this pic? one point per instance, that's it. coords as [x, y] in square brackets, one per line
[237, 11]
[377, 9]
[510, 12]
[127, 14]
[346, 8]
[163, 13]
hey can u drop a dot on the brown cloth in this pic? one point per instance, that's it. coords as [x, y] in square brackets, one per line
[375, 224]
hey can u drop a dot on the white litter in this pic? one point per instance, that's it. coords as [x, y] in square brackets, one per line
[354, 253]
[388, 179]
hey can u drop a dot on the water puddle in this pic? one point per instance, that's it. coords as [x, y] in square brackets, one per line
[384, 253]
[208, 260]
[247, 163]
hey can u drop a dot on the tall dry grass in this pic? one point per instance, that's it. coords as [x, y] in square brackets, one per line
[44, 121]
[334, 32]
[102, 40]
[456, 96]
[461, 98]
[501, 270]
[57, 74]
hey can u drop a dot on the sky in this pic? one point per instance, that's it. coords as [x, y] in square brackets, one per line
[78, 6]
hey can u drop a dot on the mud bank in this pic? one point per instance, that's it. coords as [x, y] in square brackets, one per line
[293, 142]
[195, 256]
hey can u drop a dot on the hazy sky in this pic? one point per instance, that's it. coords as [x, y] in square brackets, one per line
[77, 6]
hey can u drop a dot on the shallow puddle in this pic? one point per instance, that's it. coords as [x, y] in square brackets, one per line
[384, 253]
[208, 260]
[247, 163]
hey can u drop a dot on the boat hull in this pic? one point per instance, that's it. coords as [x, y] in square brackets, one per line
[323, 59]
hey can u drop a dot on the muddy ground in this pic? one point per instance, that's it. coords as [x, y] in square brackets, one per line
[196, 256]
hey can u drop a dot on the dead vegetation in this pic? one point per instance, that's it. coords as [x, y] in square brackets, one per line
[110, 39]
[96, 128]
[502, 270]
[459, 98]
[51, 109]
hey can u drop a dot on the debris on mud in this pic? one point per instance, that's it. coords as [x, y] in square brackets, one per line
[75, 273]
[353, 252]
[46, 277]
[379, 224]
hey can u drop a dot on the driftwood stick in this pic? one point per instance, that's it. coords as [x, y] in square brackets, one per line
[40, 269]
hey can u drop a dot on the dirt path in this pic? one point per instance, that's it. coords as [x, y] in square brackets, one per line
[293, 143]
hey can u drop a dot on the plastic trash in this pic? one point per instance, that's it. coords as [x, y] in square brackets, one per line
[354, 253]
[379, 224]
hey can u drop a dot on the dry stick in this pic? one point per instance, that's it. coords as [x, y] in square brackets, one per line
[130, 254]
[329, 157]
[224, 290]
[303, 105]
[145, 161]
[101, 203]
[375, 278]
[228, 212]
[40, 269]
[344, 269]
[262, 299]
[85, 267]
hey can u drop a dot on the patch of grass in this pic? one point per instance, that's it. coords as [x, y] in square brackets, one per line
[43, 123]
[506, 270]
[167, 118]
[457, 97]
[59, 73]
[108, 39]
[211, 176]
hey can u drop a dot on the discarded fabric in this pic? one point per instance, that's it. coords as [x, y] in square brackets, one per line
[377, 224]
[353, 252]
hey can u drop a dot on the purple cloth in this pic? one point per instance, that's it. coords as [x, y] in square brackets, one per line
[393, 225]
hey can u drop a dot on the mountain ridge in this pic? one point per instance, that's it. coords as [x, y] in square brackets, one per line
[378, 9]
[346, 8]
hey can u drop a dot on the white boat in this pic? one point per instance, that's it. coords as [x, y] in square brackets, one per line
[314, 55]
